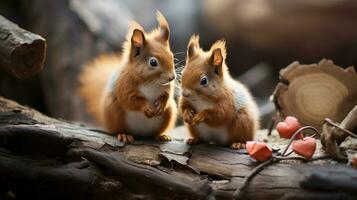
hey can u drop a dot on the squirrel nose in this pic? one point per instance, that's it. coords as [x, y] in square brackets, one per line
[185, 93]
[172, 77]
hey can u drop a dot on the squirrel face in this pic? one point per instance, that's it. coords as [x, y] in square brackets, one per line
[150, 56]
[203, 75]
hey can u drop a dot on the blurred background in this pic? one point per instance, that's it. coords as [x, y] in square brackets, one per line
[262, 36]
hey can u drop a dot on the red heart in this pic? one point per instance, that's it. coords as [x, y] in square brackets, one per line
[305, 147]
[259, 151]
[287, 128]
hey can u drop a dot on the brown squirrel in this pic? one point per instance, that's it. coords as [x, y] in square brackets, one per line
[215, 107]
[132, 94]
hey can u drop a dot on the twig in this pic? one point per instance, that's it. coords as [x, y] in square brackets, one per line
[237, 194]
[294, 136]
[272, 123]
[330, 122]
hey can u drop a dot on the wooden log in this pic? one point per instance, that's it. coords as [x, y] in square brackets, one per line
[83, 30]
[22, 53]
[46, 158]
[313, 92]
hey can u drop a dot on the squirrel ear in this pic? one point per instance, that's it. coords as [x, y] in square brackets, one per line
[137, 41]
[193, 45]
[216, 60]
[164, 26]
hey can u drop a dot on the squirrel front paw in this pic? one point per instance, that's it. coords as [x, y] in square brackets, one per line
[159, 107]
[188, 115]
[197, 119]
[150, 111]
[126, 139]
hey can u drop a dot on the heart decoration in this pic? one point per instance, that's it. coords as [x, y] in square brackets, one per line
[259, 151]
[287, 128]
[305, 147]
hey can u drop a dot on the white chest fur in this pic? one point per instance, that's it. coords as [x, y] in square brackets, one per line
[217, 135]
[207, 133]
[140, 125]
[152, 91]
[137, 122]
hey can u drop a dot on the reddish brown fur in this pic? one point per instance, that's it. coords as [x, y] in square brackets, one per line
[217, 97]
[110, 106]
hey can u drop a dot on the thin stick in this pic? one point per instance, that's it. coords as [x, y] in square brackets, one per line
[237, 194]
[295, 134]
[329, 121]
[272, 123]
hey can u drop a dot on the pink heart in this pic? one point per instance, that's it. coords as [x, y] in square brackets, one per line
[287, 128]
[305, 147]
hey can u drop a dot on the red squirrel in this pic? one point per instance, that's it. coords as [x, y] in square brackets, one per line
[215, 107]
[132, 94]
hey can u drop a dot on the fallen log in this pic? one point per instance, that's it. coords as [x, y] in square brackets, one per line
[22, 53]
[46, 158]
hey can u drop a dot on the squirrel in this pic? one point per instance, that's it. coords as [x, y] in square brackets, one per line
[215, 107]
[132, 94]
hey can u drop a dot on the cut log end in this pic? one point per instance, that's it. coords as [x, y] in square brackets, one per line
[28, 59]
[22, 52]
[313, 92]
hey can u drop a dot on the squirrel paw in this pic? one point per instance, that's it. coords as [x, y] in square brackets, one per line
[197, 119]
[126, 139]
[159, 108]
[188, 115]
[237, 145]
[150, 112]
[163, 138]
[191, 141]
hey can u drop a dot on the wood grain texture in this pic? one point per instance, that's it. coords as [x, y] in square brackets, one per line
[316, 91]
[46, 158]
[22, 53]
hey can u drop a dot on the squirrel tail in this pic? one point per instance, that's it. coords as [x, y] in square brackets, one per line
[93, 80]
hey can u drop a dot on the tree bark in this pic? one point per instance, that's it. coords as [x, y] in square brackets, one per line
[22, 53]
[76, 33]
[46, 158]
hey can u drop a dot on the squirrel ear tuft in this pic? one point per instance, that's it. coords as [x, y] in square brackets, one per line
[137, 42]
[164, 26]
[137, 39]
[220, 44]
[216, 60]
[193, 45]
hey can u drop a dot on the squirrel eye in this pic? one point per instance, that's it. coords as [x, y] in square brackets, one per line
[153, 62]
[204, 80]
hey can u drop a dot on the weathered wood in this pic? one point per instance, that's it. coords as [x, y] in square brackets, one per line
[46, 158]
[334, 134]
[83, 30]
[22, 53]
[313, 92]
